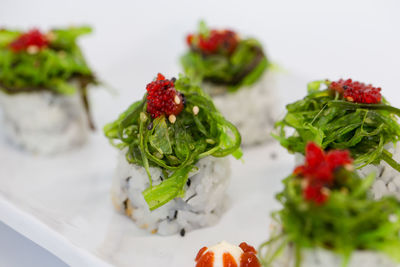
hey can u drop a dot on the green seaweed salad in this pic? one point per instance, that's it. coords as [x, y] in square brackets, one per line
[221, 57]
[338, 216]
[353, 117]
[33, 61]
[173, 143]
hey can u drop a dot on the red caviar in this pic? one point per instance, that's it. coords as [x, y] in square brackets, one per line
[318, 171]
[217, 41]
[163, 98]
[357, 92]
[32, 38]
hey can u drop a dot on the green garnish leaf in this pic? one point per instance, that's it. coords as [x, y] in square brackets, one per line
[159, 140]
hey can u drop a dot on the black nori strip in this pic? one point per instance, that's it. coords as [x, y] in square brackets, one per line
[182, 232]
[183, 98]
[175, 214]
[382, 170]
[188, 182]
[150, 126]
[192, 196]
[125, 204]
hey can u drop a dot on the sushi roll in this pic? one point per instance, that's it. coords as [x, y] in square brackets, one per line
[172, 171]
[227, 255]
[43, 89]
[328, 218]
[351, 115]
[237, 74]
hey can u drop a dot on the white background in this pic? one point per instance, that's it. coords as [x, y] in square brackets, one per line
[133, 40]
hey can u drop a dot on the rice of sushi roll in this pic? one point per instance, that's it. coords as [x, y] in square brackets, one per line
[227, 255]
[43, 89]
[387, 178]
[172, 171]
[348, 115]
[329, 219]
[238, 76]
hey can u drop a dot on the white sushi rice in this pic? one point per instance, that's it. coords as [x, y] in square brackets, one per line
[324, 258]
[202, 205]
[387, 180]
[44, 122]
[251, 109]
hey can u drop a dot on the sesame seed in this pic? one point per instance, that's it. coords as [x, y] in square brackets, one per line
[51, 36]
[393, 218]
[32, 49]
[177, 100]
[304, 183]
[196, 110]
[158, 155]
[143, 116]
[172, 118]
[326, 191]
[62, 54]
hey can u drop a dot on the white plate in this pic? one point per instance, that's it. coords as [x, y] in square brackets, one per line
[63, 204]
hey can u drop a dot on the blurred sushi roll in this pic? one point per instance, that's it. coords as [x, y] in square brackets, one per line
[238, 76]
[173, 169]
[43, 89]
[224, 254]
[349, 115]
[329, 218]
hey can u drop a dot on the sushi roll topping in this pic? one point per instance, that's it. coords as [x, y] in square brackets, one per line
[162, 98]
[227, 255]
[214, 41]
[357, 92]
[30, 41]
[174, 126]
[327, 205]
[34, 61]
[318, 171]
[346, 115]
[222, 58]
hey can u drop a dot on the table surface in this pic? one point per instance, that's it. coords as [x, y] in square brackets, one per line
[134, 40]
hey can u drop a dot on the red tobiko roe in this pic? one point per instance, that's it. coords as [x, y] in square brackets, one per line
[318, 171]
[223, 40]
[163, 98]
[357, 92]
[32, 38]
